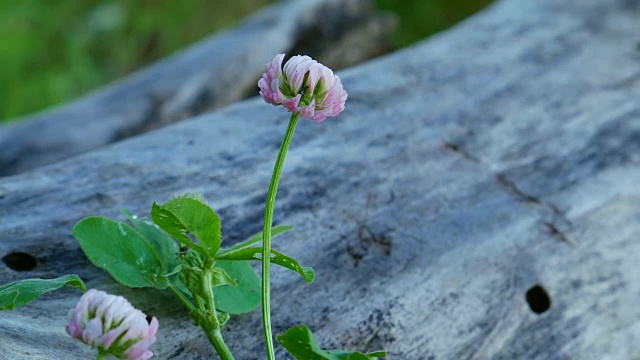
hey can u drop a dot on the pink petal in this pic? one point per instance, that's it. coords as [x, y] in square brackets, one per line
[292, 104]
[268, 84]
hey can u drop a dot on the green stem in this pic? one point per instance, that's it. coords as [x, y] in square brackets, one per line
[215, 338]
[101, 355]
[266, 236]
[213, 329]
[183, 299]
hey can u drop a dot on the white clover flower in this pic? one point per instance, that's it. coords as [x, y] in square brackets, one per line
[112, 325]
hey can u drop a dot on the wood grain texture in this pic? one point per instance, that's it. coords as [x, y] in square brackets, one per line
[499, 155]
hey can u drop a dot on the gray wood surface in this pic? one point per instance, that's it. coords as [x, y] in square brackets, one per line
[216, 71]
[499, 155]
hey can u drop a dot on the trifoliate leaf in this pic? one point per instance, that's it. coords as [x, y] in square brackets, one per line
[182, 216]
[166, 248]
[120, 250]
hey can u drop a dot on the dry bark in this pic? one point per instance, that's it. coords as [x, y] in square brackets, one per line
[497, 156]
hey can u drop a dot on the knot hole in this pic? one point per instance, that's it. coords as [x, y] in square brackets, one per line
[538, 299]
[20, 261]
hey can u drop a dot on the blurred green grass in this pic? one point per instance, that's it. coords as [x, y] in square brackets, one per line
[421, 18]
[53, 51]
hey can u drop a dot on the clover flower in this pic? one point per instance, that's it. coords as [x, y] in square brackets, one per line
[112, 325]
[303, 86]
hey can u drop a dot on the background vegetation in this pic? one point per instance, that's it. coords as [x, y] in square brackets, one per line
[55, 50]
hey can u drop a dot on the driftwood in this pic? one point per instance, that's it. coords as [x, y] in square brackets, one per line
[472, 179]
[215, 72]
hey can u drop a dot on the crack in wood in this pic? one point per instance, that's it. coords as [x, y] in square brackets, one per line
[513, 189]
[557, 233]
[557, 214]
[532, 200]
[367, 238]
[453, 147]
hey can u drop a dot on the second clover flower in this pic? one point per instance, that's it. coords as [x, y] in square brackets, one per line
[112, 325]
[303, 86]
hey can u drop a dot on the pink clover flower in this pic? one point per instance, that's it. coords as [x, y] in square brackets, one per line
[303, 86]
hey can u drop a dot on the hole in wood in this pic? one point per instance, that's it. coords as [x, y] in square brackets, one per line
[538, 299]
[20, 261]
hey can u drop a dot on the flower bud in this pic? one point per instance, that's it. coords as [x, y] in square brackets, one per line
[112, 325]
[303, 86]
[192, 272]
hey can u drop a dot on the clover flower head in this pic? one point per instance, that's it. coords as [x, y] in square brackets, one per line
[112, 325]
[303, 86]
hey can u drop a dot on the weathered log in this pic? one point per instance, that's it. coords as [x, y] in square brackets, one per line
[215, 72]
[500, 155]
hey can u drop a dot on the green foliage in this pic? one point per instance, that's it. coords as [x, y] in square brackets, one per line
[245, 296]
[240, 294]
[22, 292]
[219, 277]
[355, 355]
[300, 342]
[421, 18]
[222, 318]
[185, 215]
[169, 223]
[166, 248]
[121, 251]
[276, 258]
[146, 256]
[255, 239]
[54, 51]
[191, 272]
